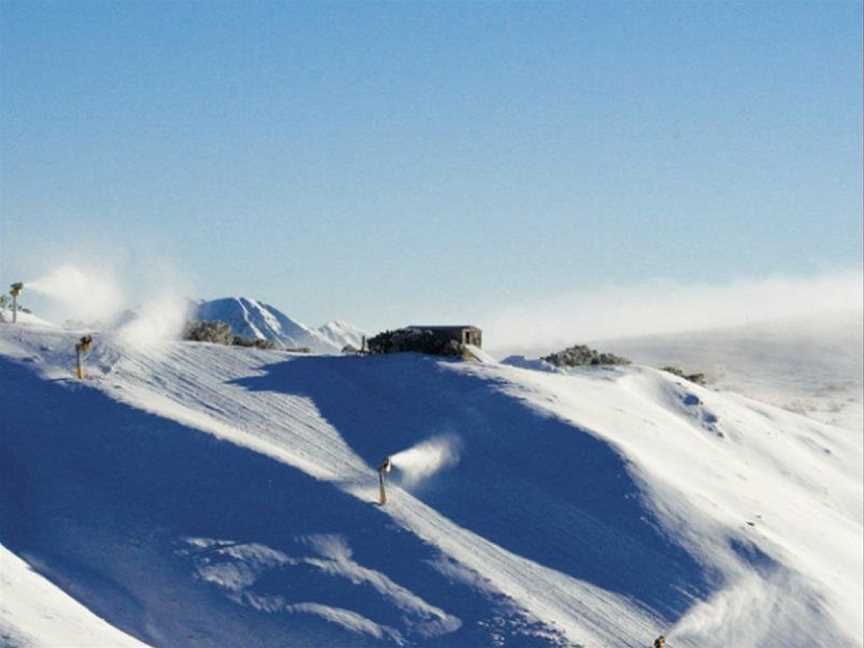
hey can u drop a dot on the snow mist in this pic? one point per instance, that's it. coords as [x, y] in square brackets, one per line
[158, 321]
[661, 307]
[425, 459]
[750, 611]
[96, 297]
[87, 295]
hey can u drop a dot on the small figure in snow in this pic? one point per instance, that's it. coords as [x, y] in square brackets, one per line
[660, 642]
[385, 467]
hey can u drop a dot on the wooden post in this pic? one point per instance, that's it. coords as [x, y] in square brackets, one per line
[383, 468]
[80, 365]
[383, 496]
[82, 348]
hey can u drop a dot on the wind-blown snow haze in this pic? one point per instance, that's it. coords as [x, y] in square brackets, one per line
[157, 322]
[80, 293]
[668, 307]
[426, 458]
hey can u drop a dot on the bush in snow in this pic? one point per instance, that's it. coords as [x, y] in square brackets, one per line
[258, 343]
[221, 333]
[216, 332]
[416, 340]
[580, 355]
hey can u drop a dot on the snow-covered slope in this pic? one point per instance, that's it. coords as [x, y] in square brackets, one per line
[35, 612]
[216, 496]
[255, 319]
[23, 318]
[341, 334]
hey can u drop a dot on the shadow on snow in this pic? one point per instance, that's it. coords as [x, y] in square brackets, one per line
[535, 485]
[102, 498]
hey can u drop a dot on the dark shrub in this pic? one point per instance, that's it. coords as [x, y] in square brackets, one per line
[216, 332]
[698, 378]
[581, 356]
[258, 343]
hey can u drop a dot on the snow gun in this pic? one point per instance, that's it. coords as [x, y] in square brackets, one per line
[385, 467]
[15, 290]
[81, 349]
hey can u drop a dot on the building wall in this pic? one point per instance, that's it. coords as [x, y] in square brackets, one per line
[461, 335]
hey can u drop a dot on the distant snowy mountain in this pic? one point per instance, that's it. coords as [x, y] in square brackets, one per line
[255, 319]
[341, 334]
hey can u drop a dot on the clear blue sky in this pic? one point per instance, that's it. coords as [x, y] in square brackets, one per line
[378, 161]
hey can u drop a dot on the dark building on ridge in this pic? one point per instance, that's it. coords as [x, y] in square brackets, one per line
[462, 334]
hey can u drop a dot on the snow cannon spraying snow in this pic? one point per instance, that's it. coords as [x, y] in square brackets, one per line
[385, 467]
[81, 349]
[15, 290]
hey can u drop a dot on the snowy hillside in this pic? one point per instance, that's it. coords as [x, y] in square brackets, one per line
[255, 319]
[23, 318]
[217, 496]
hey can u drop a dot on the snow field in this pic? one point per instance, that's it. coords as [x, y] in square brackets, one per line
[598, 508]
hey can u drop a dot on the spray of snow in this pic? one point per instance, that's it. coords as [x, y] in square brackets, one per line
[87, 294]
[425, 459]
[158, 321]
[750, 612]
[92, 296]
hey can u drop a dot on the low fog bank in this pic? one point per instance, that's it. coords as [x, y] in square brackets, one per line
[663, 307]
[811, 365]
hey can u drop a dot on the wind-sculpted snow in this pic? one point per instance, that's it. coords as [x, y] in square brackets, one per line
[35, 612]
[598, 509]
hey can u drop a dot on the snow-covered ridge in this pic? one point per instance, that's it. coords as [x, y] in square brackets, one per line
[594, 508]
[342, 334]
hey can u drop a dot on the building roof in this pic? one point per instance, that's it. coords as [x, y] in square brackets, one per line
[443, 327]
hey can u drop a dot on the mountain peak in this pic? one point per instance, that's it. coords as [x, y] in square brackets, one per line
[253, 318]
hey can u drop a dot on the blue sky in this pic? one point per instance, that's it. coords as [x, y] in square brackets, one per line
[387, 162]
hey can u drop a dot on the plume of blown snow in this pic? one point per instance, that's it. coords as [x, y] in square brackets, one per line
[423, 460]
[159, 321]
[86, 294]
[751, 611]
